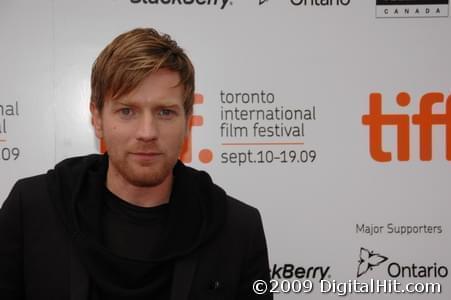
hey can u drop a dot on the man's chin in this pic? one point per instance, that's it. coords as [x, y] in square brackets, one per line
[146, 182]
[144, 173]
[148, 179]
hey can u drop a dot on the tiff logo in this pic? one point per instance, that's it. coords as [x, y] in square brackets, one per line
[425, 120]
[205, 155]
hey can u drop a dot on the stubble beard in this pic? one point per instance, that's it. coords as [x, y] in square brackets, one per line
[150, 175]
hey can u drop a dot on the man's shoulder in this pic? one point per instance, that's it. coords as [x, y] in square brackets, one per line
[31, 180]
[242, 216]
[238, 212]
[240, 207]
[30, 188]
[70, 161]
[27, 194]
[30, 185]
[69, 164]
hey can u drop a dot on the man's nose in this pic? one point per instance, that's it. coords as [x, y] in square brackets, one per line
[147, 128]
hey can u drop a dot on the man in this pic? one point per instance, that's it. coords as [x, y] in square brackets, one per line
[134, 223]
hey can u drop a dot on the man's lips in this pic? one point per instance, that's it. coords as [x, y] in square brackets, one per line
[146, 154]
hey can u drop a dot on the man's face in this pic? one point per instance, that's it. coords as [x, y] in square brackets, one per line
[144, 130]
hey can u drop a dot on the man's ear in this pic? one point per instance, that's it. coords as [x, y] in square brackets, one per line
[96, 120]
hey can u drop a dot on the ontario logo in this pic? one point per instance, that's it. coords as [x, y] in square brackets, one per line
[368, 260]
[426, 119]
[319, 3]
[412, 8]
[218, 3]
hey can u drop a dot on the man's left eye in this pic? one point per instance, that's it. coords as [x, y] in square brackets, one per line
[166, 112]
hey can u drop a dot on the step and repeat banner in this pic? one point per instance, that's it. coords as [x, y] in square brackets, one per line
[332, 117]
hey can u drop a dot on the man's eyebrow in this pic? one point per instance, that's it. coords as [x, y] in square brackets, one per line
[121, 102]
[175, 107]
[166, 104]
[163, 102]
[125, 102]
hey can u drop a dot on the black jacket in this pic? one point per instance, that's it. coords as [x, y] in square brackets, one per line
[39, 260]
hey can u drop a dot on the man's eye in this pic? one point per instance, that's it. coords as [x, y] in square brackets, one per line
[166, 112]
[125, 111]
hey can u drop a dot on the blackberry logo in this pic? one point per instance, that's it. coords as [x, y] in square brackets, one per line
[221, 3]
[290, 271]
[368, 260]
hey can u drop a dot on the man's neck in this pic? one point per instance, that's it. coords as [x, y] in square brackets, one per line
[137, 195]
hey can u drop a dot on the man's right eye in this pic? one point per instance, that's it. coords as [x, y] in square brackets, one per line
[126, 112]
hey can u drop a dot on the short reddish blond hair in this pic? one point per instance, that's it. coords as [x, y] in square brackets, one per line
[131, 57]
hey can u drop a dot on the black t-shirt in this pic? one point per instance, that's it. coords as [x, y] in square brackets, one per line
[134, 232]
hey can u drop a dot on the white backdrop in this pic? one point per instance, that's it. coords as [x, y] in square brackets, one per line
[328, 58]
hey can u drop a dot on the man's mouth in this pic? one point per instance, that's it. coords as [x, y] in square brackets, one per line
[146, 155]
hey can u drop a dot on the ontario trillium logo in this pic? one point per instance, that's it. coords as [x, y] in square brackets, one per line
[368, 260]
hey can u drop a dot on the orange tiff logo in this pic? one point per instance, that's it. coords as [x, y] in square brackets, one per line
[425, 120]
[205, 155]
